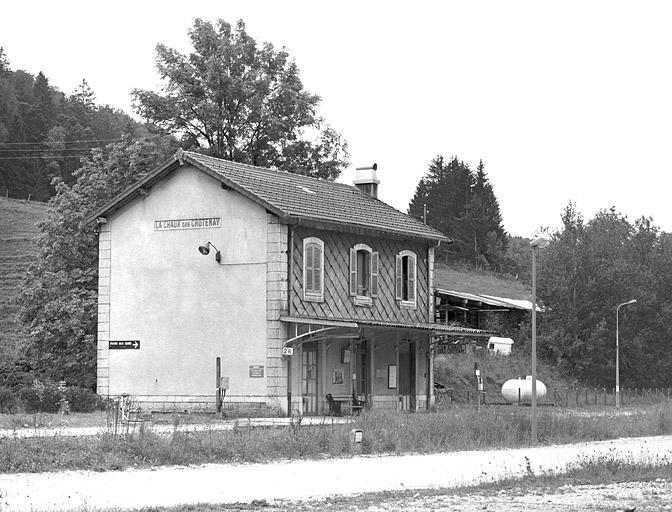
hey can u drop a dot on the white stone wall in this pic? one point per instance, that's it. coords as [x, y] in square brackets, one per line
[184, 308]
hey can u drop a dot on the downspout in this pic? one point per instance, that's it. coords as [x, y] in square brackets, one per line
[290, 273]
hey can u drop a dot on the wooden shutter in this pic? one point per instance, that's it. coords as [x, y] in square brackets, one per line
[374, 274]
[353, 272]
[317, 268]
[308, 268]
[411, 279]
[399, 284]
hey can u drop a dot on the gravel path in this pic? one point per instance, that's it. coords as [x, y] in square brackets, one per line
[169, 429]
[301, 480]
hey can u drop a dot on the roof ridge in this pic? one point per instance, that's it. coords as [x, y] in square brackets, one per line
[345, 204]
[224, 161]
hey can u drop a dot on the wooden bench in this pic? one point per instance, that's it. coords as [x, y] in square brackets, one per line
[349, 404]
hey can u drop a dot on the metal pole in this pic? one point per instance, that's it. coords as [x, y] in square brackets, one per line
[289, 386]
[534, 345]
[618, 388]
[219, 384]
[617, 391]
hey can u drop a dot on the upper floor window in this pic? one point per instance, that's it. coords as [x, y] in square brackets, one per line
[406, 281]
[363, 274]
[313, 269]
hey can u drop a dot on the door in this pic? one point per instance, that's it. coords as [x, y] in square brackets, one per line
[361, 388]
[407, 378]
[309, 377]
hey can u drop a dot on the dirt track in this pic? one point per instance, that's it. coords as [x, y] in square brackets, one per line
[301, 480]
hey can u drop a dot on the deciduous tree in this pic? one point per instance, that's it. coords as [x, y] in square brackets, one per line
[59, 301]
[241, 101]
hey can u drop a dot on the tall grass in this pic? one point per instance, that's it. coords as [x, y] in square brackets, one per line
[384, 433]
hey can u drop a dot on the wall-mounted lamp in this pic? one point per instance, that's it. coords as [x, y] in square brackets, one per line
[205, 250]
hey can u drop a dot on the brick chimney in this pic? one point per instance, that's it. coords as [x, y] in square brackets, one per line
[367, 181]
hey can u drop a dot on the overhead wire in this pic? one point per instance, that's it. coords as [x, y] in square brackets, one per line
[47, 149]
[55, 142]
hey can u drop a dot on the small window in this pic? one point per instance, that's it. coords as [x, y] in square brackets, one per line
[363, 274]
[406, 282]
[313, 269]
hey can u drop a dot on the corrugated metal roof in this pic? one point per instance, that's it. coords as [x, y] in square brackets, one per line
[491, 300]
[440, 328]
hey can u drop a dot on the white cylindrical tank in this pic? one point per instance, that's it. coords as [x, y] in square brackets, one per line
[515, 389]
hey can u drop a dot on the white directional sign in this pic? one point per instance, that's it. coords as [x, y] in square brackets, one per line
[125, 344]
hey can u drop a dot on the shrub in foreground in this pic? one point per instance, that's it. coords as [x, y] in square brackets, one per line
[8, 400]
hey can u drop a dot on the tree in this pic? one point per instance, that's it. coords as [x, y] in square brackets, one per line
[43, 132]
[585, 272]
[238, 101]
[59, 301]
[462, 205]
[484, 220]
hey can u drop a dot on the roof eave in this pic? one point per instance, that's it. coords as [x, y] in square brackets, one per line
[131, 192]
[172, 163]
[362, 229]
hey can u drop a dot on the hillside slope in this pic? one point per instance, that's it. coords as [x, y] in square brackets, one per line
[17, 251]
[471, 281]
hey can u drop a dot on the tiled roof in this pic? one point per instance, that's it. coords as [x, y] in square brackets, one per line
[306, 198]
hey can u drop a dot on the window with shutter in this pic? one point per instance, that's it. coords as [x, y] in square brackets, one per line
[313, 269]
[406, 278]
[363, 274]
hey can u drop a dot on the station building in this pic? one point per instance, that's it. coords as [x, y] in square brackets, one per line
[268, 289]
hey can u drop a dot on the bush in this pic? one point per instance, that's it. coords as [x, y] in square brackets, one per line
[8, 400]
[41, 397]
[83, 399]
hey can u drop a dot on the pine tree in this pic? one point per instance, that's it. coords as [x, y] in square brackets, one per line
[462, 205]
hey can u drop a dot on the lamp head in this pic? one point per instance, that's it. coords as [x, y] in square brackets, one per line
[539, 243]
[204, 249]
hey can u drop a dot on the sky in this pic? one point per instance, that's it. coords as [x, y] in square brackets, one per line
[563, 101]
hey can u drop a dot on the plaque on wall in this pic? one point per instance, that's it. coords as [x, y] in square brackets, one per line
[195, 223]
[256, 371]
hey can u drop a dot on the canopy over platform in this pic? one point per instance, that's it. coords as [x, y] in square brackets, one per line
[326, 328]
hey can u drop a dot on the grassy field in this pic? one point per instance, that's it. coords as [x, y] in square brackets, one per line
[17, 251]
[464, 280]
[460, 428]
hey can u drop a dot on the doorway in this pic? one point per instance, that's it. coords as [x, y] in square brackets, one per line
[309, 377]
[407, 377]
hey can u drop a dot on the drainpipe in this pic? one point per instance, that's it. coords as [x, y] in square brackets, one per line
[290, 273]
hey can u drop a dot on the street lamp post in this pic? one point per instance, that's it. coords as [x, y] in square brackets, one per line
[536, 244]
[618, 375]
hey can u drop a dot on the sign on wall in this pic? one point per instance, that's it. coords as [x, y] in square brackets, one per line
[125, 344]
[256, 371]
[196, 223]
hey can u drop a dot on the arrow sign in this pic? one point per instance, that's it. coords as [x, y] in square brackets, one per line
[124, 344]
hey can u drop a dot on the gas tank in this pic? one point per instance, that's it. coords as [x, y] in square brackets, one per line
[510, 390]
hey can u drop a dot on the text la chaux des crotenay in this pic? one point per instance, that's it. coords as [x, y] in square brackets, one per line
[195, 223]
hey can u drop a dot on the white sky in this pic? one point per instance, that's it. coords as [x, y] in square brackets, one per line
[564, 100]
